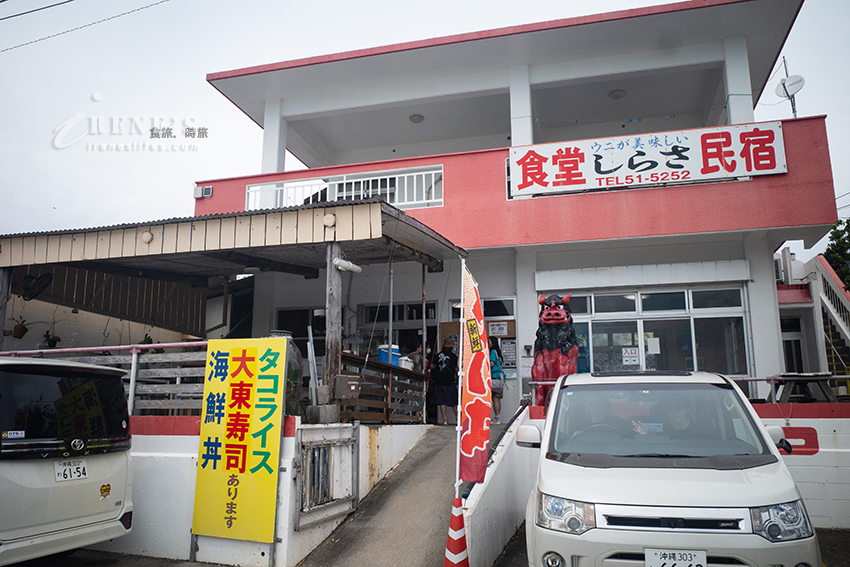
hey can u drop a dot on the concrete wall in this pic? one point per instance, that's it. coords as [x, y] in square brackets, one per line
[496, 507]
[820, 460]
[164, 470]
[80, 329]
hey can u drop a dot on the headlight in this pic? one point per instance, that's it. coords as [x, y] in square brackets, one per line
[564, 515]
[782, 522]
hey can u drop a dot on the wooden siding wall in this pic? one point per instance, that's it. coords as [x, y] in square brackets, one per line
[169, 305]
[166, 304]
[303, 226]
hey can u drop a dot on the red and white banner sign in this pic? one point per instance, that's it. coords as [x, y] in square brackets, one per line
[662, 158]
[475, 395]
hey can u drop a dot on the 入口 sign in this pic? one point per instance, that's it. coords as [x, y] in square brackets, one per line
[687, 156]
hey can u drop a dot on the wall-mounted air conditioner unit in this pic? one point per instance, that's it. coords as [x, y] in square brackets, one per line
[203, 192]
[778, 272]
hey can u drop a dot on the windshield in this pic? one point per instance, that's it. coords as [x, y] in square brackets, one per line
[655, 425]
[43, 408]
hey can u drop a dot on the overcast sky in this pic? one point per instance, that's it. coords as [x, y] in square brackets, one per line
[153, 63]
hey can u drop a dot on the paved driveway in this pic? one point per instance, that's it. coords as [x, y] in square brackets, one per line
[834, 549]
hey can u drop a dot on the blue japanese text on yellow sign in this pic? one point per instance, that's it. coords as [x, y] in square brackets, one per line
[239, 453]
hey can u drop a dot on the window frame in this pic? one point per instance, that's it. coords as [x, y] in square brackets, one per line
[640, 315]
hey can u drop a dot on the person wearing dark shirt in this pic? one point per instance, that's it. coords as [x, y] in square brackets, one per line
[445, 380]
[677, 419]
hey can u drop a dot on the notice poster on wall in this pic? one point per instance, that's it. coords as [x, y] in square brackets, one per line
[497, 328]
[508, 347]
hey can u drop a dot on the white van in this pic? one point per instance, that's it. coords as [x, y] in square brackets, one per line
[65, 476]
[661, 469]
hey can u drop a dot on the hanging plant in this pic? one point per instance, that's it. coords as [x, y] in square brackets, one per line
[20, 328]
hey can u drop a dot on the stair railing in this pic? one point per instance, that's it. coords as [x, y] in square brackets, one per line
[836, 354]
[835, 300]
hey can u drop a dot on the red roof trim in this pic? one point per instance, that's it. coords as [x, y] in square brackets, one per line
[797, 293]
[838, 283]
[473, 36]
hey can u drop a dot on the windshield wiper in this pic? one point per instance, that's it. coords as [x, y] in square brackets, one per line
[663, 456]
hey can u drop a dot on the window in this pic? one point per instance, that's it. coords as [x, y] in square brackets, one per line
[498, 307]
[716, 298]
[665, 330]
[615, 346]
[614, 303]
[493, 308]
[721, 345]
[47, 406]
[296, 322]
[668, 301]
[402, 312]
[578, 304]
[668, 345]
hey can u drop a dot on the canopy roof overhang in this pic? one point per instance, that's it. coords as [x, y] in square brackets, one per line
[160, 273]
[668, 60]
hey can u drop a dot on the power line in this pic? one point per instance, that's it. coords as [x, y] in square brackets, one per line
[36, 10]
[82, 27]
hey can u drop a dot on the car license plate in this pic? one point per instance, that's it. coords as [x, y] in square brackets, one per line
[674, 558]
[71, 469]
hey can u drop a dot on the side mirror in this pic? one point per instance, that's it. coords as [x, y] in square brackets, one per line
[528, 436]
[777, 435]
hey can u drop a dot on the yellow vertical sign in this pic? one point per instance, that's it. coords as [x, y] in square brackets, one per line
[239, 453]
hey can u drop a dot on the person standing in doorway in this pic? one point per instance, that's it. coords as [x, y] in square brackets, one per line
[497, 378]
[417, 359]
[445, 380]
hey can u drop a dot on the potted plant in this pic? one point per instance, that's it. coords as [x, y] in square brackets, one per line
[51, 339]
[20, 328]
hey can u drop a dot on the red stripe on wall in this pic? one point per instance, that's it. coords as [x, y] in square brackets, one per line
[803, 411]
[185, 425]
[165, 425]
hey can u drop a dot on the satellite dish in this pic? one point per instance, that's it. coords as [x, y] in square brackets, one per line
[789, 86]
[33, 286]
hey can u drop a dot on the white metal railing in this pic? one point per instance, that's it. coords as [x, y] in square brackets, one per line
[837, 306]
[411, 188]
[167, 380]
[835, 298]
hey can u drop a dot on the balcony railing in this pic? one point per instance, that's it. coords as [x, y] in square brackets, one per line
[406, 189]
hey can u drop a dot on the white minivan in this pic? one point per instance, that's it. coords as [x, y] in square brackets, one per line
[65, 476]
[660, 469]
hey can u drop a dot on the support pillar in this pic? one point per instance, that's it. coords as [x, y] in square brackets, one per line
[333, 319]
[736, 74]
[768, 357]
[274, 137]
[522, 123]
[5, 293]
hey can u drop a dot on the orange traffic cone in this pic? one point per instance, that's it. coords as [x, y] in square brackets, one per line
[456, 555]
